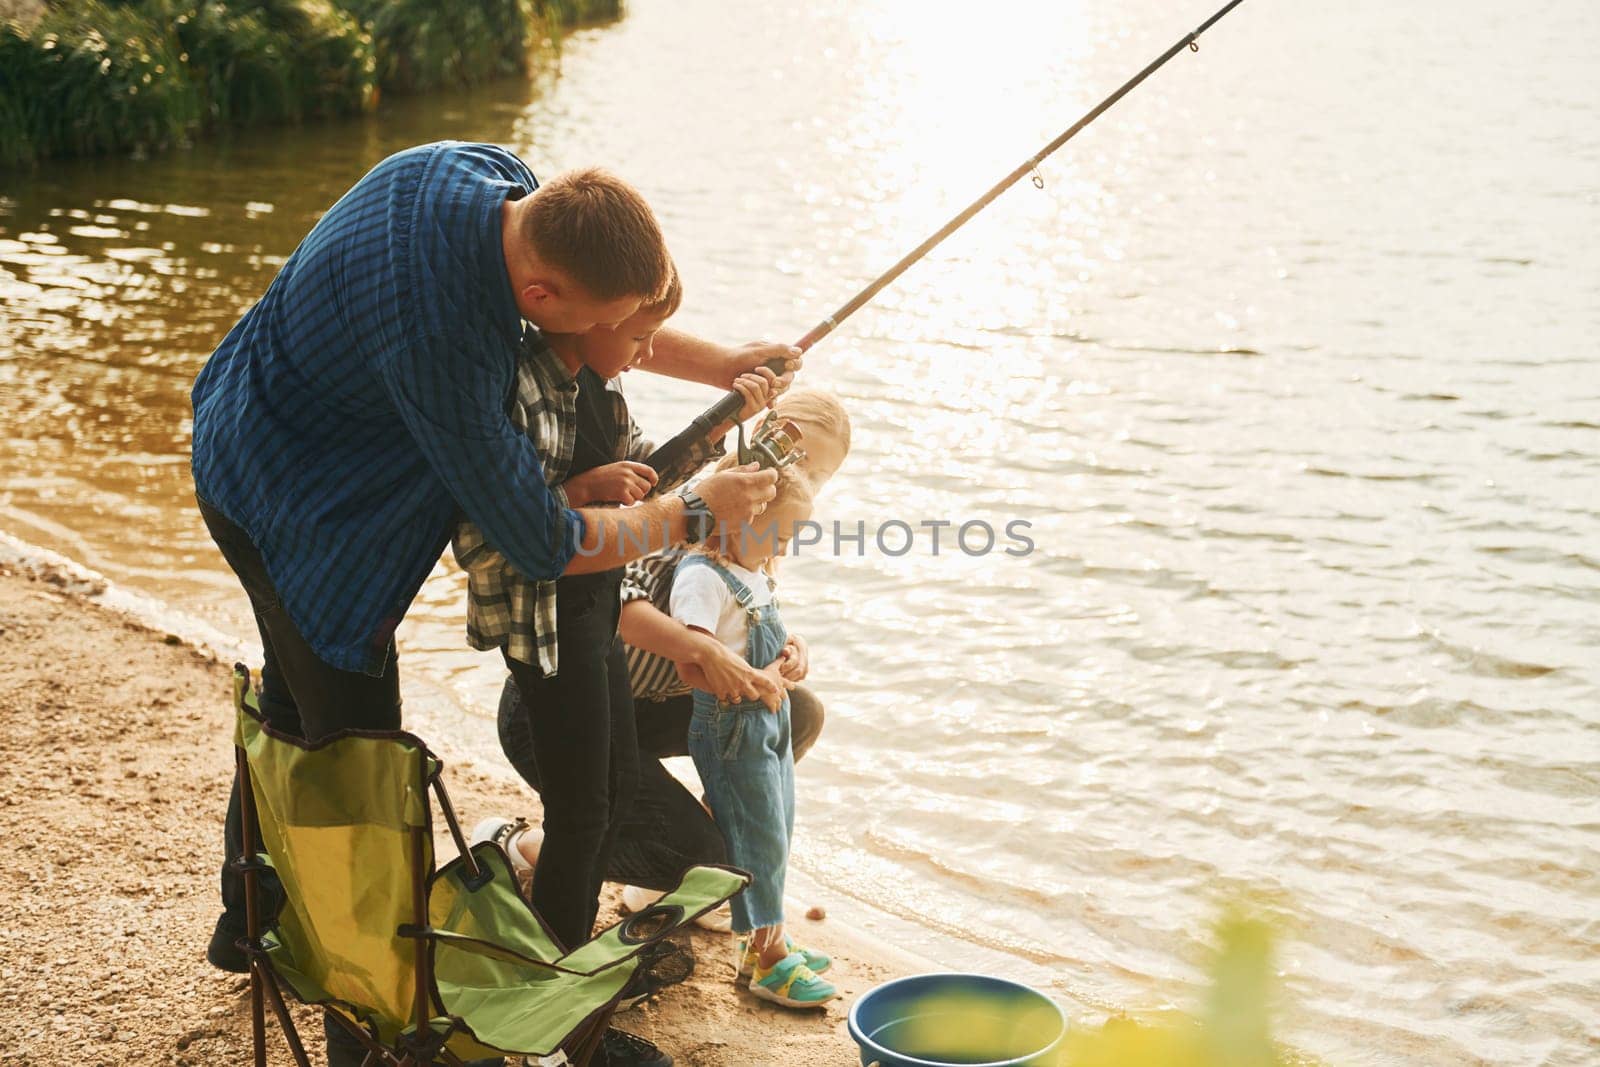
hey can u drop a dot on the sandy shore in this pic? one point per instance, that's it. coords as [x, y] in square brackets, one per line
[115, 745]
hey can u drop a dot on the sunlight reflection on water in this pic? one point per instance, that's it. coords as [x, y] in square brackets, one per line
[1290, 370]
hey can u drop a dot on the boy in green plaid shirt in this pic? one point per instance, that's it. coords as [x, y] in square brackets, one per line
[559, 637]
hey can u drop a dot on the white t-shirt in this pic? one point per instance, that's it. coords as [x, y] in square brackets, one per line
[702, 599]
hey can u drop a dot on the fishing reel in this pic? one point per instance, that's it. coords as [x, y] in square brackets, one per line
[774, 444]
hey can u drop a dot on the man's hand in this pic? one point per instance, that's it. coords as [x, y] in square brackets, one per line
[739, 494]
[728, 677]
[758, 354]
[715, 669]
[752, 685]
[772, 672]
[794, 663]
[680, 355]
[623, 482]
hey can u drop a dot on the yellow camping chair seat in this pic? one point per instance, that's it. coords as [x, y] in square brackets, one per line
[422, 965]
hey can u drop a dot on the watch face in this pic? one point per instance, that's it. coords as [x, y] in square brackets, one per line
[699, 524]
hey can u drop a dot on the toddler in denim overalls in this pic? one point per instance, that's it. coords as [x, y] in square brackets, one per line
[742, 749]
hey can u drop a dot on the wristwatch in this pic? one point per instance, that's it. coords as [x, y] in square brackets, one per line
[697, 519]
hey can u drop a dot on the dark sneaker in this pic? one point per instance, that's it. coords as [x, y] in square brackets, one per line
[224, 952]
[666, 963]
[621, 1049]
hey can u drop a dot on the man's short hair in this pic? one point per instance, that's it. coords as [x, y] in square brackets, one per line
[597, 230]
[670, 301]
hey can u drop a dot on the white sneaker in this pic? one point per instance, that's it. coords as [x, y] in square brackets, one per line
[637, 898]
[506, 834]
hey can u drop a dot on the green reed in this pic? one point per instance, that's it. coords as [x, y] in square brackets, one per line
[98, 76]
[263, 63]
[561, 13]
[90, 78]
[422, 44]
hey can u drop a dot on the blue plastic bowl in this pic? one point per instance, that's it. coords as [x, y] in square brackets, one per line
[957, 1020]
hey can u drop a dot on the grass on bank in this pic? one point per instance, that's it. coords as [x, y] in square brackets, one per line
[88, 77]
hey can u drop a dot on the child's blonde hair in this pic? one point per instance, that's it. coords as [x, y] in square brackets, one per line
[793, 488]
[817, 408]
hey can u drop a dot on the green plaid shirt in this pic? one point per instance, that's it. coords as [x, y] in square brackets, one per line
[504, 609]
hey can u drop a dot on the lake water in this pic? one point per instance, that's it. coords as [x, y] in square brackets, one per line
[1291, 366]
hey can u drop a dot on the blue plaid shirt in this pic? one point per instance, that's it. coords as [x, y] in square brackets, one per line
[362, 404]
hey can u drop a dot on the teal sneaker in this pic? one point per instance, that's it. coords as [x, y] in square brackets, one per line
[791, 983]
[817, 962]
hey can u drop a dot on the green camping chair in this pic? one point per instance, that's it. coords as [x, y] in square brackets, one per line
[422, 965]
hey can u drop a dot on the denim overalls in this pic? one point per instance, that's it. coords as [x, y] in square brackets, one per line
[746, 763]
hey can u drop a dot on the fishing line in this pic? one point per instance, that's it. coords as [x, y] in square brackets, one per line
[727, 408]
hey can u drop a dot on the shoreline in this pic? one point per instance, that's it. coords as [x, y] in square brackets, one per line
[105, 694]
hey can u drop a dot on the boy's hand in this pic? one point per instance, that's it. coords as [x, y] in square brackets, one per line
[794, 663]
[759, 388]
[622, 482]
[758, 354]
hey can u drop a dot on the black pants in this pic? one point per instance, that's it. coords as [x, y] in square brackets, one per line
[667, 829]
[581, 720]
[302, 696]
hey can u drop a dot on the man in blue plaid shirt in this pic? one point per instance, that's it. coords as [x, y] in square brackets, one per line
[361, 405]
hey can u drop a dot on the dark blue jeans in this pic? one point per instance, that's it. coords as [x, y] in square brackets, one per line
[666, 830]
[588, 757]
[300, 694]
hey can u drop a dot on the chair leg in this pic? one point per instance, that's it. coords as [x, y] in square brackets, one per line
[258, 1016]
[291, 1033]
[423, 993]
[263, 986]
[377, 1055]
[258, 1012]
[590, 1044]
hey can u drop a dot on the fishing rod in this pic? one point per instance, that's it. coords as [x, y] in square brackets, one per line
[727, 408]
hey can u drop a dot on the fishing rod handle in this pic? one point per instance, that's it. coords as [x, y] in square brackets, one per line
[724, 410]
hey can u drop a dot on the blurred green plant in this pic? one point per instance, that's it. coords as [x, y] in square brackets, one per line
[244, 68]
[280, 61]
[17, 59]
[1234, 1030]
[559, 13]
[422, 44]
[335, 64]
[88, 78]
